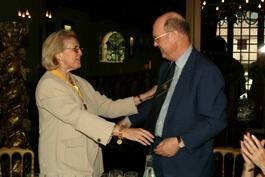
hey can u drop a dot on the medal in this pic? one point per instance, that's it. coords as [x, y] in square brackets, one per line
[119, 141]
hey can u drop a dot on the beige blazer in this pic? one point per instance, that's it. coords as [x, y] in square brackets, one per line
[69, 135]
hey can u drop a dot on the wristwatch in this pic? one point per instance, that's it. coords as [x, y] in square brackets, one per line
[180, 141]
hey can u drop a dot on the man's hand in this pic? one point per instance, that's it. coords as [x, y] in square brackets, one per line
[168, 147]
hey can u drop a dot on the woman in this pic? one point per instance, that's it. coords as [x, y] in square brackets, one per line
[253, 153]
[71, 129]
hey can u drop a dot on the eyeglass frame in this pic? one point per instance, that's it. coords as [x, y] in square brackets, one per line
[76, 49]
[162, 35]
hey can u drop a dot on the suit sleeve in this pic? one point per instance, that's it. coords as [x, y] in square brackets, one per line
[142, 116]
[145, 107]
[60, 102]
[211, 107]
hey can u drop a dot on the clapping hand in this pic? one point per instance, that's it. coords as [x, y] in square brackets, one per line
[253, 151]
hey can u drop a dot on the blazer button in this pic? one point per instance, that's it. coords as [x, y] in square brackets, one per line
[99, 140]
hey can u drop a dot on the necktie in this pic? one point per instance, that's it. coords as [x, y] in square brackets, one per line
[159, 98]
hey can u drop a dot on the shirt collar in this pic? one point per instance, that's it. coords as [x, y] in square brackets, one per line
[181, 61]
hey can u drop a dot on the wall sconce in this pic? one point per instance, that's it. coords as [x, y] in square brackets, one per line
[24, 14]
[48, 14]
[131, 42]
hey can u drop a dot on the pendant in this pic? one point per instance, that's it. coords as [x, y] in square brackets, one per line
[119, 141]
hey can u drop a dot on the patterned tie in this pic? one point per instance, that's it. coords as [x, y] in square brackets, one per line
[159, 98]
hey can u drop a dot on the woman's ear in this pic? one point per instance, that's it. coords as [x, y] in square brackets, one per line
[59, 57]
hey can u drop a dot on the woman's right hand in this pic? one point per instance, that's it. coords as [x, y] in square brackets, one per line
[139, 135]
[145, 96]
[244, 150]
[149, 93]
[253, 150]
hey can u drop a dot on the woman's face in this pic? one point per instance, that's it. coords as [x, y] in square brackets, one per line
[70, 57]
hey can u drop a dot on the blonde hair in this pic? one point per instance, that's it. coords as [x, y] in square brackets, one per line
[53, 45]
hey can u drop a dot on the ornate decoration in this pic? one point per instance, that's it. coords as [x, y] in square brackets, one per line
[14, 122]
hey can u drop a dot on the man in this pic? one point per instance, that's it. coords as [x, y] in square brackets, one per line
[233, 74]
[193, 111]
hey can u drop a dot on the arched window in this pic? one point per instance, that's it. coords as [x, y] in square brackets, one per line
[245, 38]
[113, 48]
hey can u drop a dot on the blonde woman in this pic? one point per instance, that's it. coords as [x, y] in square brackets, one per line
[71, 129]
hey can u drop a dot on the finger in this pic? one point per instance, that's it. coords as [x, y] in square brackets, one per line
[248, 134]
[257, 142]
[144, 140]
[246, 148]
[251, 145]
[141, 142]
[147, 133]
[158, 151]
[150, 139]
[263, 142]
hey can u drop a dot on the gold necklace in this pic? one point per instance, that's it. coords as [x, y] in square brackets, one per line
[70, 81]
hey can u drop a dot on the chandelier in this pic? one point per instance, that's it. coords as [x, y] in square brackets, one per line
[232, 8]
[25, 14]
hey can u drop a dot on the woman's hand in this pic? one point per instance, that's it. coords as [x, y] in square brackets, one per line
[244, 149]
[125, 123]
[253, 151]
[139, 135]
[145, 96]
[150, 93]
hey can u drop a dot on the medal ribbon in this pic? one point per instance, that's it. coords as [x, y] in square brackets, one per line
[70, 82]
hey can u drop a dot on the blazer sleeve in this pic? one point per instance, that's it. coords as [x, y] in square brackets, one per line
[56, 100]
[105, 106]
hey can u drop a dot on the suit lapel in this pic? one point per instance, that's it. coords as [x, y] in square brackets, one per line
[182, 84]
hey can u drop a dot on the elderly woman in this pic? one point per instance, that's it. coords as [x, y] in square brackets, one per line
[71, 129]
[253, 153]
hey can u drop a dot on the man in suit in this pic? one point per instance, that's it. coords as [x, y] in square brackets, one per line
[193, 110]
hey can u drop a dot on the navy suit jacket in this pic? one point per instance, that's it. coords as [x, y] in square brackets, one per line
[196, 113]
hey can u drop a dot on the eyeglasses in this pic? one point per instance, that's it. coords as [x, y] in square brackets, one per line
[162, 35]
[76, 49]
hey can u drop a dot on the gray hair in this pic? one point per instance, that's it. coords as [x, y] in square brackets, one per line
[178, 24]
[53, 45]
